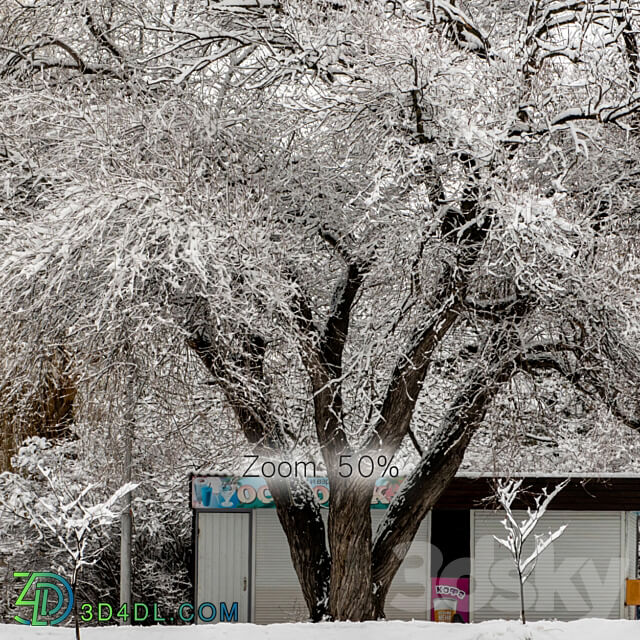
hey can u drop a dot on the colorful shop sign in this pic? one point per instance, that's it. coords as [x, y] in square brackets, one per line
[227, 492]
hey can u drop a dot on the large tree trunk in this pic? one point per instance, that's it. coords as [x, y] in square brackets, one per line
[337, 586]
[302, 523]
[351, 588]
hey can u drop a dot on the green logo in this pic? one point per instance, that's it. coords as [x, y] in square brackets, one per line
[46, 593]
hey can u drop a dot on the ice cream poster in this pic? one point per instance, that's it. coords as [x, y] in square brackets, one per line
[450, 599]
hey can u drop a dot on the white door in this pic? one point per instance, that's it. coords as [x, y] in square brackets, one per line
[578, 576]
[223, 567]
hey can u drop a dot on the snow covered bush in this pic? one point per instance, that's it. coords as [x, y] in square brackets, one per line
[67, 516]
[53, 518]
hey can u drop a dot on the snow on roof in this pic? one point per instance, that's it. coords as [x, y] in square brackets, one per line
[534, 474]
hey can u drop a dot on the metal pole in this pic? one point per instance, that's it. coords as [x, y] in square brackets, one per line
[126, 518]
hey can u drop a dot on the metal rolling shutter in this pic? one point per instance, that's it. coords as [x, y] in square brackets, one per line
[578, 576]
[408, 596]
[278, 597]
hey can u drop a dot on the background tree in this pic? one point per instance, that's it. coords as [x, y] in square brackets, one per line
[43, 407]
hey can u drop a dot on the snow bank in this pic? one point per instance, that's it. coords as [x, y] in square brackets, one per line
[495, 630]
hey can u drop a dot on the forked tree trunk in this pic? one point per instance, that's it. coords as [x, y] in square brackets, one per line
[351, 580]
[361, 573]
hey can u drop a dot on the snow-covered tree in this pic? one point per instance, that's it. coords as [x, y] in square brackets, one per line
[519, 532]
[67, 517]
[374, 224]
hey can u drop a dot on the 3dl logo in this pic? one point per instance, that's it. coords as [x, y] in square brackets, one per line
[49, 596]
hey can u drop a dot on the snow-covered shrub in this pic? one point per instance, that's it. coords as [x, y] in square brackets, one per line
[43, 473]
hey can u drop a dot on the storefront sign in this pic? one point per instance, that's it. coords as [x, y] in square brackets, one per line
[227, 492]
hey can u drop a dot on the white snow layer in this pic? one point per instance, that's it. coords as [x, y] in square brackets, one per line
[588, 629]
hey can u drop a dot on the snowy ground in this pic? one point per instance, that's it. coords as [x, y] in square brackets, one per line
[498, 630]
